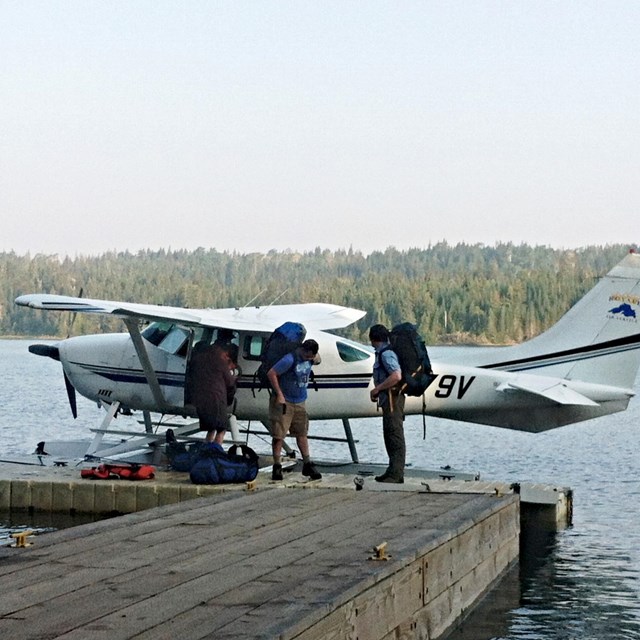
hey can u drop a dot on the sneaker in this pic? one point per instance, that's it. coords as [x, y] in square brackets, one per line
[389, 479]
[276, 472]
[309, 470]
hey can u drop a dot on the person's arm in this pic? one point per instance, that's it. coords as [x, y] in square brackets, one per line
[273, 378]
[390, 381]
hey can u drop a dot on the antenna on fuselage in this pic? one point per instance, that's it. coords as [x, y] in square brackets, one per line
[273, 302]
[250, 301]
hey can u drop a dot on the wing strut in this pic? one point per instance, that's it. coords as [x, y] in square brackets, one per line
[349, 436]
[112, 409]
[149, 372]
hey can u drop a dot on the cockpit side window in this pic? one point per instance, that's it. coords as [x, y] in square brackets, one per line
[225, 336]
[156, 332]
[351, 353]
[168, 337]
[175, 341]
[252, 347]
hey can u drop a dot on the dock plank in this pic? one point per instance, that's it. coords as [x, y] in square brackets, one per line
[262, 564]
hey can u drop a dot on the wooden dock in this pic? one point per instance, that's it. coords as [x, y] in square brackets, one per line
[270, 563]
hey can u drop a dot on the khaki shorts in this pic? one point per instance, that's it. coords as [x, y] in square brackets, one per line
[293, 421]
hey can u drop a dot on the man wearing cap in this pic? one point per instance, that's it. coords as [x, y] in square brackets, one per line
[386, 376]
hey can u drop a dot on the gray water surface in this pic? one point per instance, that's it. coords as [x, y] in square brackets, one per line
[582, 583]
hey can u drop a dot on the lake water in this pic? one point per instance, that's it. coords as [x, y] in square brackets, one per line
[584, 584]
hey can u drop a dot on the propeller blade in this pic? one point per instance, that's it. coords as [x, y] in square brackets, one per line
[45, 350]
[71, 394]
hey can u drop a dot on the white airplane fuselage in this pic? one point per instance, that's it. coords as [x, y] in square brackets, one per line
[107, 368]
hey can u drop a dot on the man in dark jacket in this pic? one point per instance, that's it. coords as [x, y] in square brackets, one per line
[211, 385]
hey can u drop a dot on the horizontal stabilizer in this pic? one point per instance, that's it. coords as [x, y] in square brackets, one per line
[557, 392]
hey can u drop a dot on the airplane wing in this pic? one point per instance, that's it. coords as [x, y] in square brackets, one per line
[259, 319]
[556, 392]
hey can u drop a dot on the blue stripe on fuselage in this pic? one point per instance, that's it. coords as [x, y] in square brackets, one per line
[168, 379]
[610, 347]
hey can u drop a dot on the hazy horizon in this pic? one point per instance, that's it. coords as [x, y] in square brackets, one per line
[247, 126]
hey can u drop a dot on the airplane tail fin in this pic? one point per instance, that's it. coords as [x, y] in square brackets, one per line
[597, 340]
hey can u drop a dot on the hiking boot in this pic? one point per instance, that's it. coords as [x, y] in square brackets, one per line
[382, 477]
[276, 472]
[389, 479]
[309, 470]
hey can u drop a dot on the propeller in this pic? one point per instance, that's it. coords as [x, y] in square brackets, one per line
[71, 391]
[71, 394]
[53, 352]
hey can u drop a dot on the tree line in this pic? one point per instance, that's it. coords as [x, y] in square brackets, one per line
[454, 293]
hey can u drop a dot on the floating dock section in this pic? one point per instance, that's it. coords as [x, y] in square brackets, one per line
[322, 563]
[334, 559]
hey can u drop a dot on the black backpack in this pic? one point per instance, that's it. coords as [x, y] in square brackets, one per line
[414, 361]
[285, 339]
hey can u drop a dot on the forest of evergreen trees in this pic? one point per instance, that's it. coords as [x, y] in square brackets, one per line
[462, 293]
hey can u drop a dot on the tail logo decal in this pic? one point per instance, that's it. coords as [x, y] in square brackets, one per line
[625, 309]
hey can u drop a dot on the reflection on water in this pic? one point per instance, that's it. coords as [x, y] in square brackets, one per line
[555, 594]
[581, 583]
[41, 522]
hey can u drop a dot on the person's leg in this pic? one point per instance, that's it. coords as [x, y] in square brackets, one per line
[303, 447]
[300, 429]
[278, 425]
[276, 449]
[207, 423]
[394, 439]
[386, 429]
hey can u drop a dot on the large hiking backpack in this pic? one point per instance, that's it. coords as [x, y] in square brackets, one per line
[414, 360]
[285, 339]
[214, 466]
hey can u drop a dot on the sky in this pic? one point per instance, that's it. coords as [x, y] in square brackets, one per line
[255, 125]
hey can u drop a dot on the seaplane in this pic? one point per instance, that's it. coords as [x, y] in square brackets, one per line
[581, 368]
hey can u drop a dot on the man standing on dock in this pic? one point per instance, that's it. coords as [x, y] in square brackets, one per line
[210, 386]
[289, 378]
[387, 375]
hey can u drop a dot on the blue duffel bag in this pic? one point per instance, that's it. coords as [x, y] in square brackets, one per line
[183, 456]
[215, 466]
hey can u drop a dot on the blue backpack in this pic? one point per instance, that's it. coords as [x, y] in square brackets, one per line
[285, 339]
[214, 466]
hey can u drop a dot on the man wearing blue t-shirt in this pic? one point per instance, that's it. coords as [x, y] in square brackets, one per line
[386, 376]
[289, 378]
